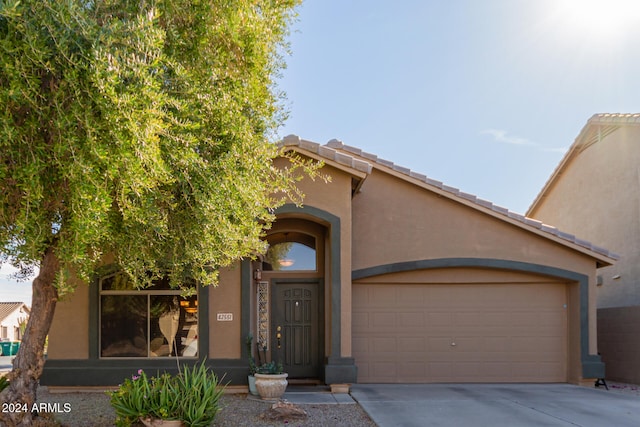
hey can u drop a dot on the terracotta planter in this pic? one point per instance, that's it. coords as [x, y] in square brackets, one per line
[154, 422]
[271, 386]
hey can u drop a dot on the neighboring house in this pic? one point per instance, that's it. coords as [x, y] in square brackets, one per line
[595, 193]
[383, 276]
[12, 316]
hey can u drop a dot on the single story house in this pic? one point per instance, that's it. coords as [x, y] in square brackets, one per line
[595, 193]
[12, 316]
[383, 276]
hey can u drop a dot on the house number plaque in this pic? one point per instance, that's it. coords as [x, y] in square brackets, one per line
[224, 317]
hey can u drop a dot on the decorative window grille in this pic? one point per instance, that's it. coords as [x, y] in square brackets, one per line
[263, 315]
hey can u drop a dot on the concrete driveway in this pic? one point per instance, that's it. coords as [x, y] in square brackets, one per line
[6, 363]
[495, 405]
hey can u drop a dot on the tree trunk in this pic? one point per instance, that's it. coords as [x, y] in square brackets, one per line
[29, 362]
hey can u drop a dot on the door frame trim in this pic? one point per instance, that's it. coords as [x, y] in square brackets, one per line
[334, 263]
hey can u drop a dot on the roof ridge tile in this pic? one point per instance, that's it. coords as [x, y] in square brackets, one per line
[386, 163]
[291, 139]
[499, 209]
[418, 176]
[335, 143]
[533, 222]
[450, 189]
[485, 203]
[434, 182]
[328, 152]
[401, 169]
[467, 196]
[308, 145]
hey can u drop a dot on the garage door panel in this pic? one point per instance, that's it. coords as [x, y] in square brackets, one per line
[499, 344]
[411, 298]
[412, 344]
[411, 320]
[501, 332]
[551, 369]
[384, 344]
[439, 342]
[525, 318]
[470, 369]
[382, 296]
[440, 372]
[383, 320]
[495, 319]
[496, 369]
[412, 370]
[361, 343]
[522, 345]
[383, 370]
[360, 320]
[530, 369]
[439, 319]
[550, 320]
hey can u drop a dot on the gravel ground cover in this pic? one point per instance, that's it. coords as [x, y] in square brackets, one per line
[92, 409]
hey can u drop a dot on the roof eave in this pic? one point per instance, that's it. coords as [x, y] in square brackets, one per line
[602, 256]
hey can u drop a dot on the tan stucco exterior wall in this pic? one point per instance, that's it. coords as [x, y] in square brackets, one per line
[225, 341]
[69, 332]
[598, 199]
[395, 221]
[618, 332]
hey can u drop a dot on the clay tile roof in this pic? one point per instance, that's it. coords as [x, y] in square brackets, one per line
[338, 146]
[6, 308]
[327, 152]
[615, 118]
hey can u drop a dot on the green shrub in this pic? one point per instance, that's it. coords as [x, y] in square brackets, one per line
[270, 368]
[200, 396]
[192, 396]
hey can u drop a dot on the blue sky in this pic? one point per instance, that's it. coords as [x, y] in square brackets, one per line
[12, 290]
[484, 95]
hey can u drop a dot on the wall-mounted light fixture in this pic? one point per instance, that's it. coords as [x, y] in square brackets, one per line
[257, 274]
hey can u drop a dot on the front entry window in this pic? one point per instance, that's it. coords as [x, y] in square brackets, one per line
[290, 256]
[153, 322]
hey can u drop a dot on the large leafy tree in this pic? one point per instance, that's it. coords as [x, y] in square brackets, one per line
[137, 128]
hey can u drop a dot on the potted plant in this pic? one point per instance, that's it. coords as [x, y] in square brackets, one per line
[252, 366]
[271, 381]
[189, 399]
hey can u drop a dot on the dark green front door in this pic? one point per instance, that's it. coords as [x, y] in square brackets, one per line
[295, 330]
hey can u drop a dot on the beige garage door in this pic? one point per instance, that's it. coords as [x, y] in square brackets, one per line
[460, 333]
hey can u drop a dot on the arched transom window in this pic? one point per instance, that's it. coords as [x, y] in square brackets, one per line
[291, 251]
